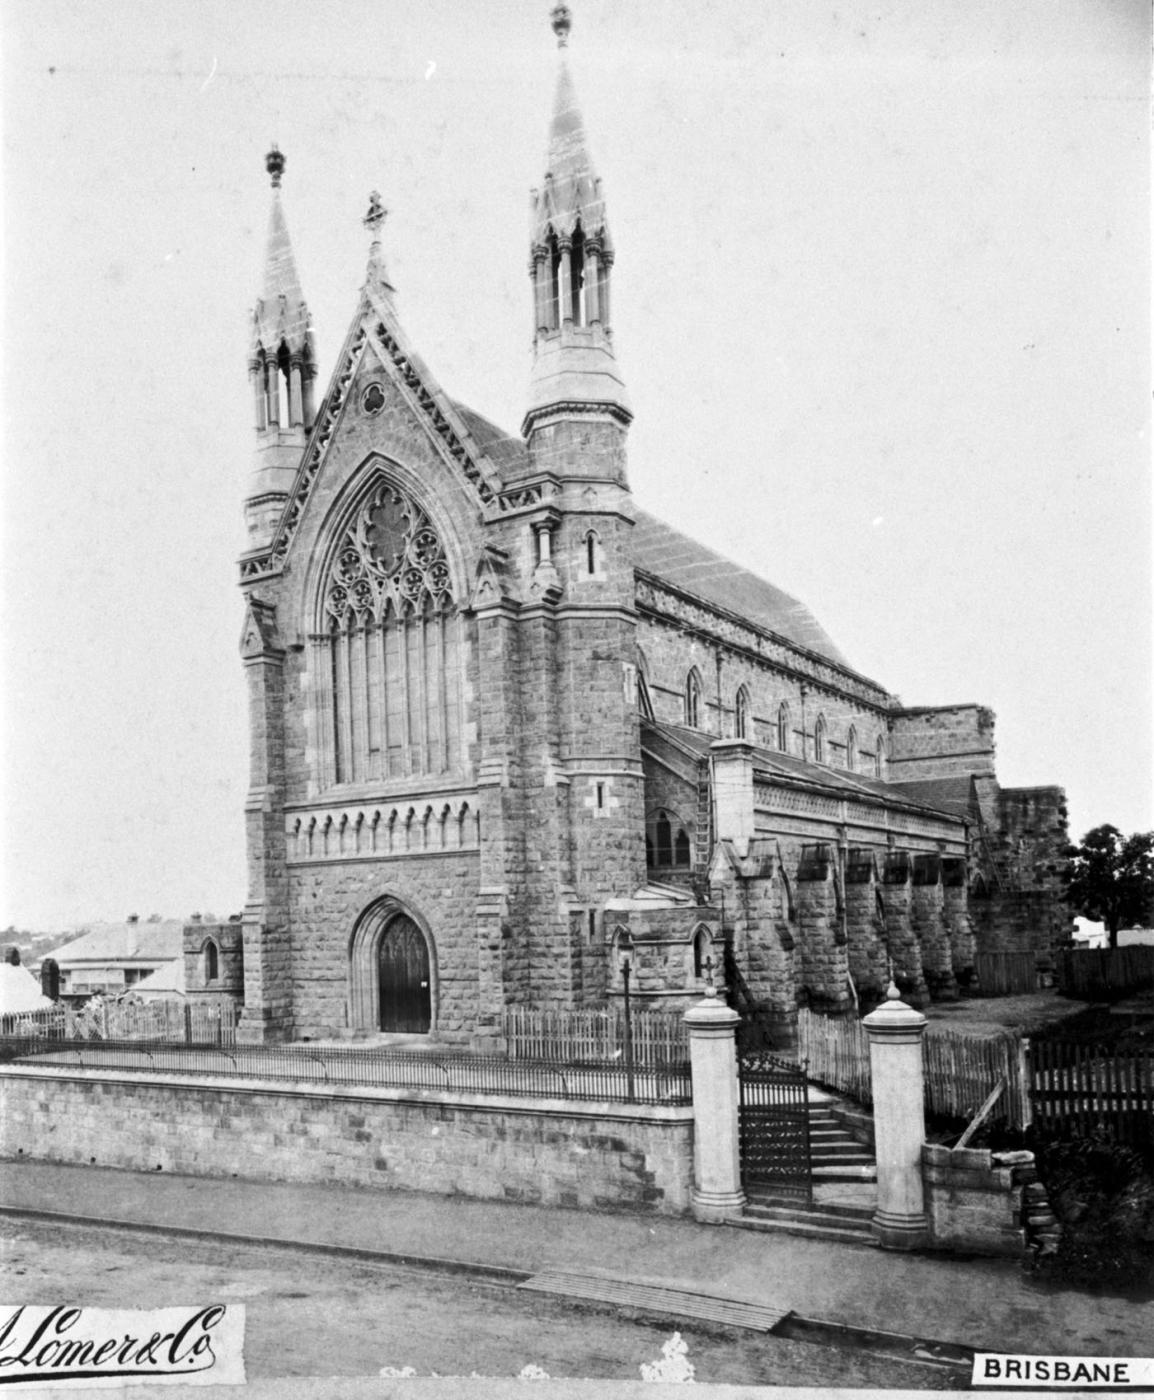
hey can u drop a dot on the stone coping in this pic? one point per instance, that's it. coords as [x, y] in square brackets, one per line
[672, 1115]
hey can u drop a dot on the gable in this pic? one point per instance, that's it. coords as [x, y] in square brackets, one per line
[406, 417]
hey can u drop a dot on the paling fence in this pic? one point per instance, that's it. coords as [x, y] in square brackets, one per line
[330, 1067]
[208, 1021]
[1004, 974]
[659, 1039]
[960, 1070]
[1100, 973]
[1076, 1088]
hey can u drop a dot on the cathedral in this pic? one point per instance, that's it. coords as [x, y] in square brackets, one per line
[512, 735]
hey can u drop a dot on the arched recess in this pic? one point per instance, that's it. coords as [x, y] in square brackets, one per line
[693, 694]
[388, 643]
[783, 728]
[819, 745]
[742, 715]
[851, 749]
[392, 971]
[211, 955]
[702, 951]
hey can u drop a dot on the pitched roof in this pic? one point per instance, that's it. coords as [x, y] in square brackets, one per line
[782, 766]
[660, 550]
[947, 794]
[128, 942]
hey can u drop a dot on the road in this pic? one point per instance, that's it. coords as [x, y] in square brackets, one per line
[311, 1315]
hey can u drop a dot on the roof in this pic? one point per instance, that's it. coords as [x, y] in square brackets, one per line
[785, 767]
[139, 942]
[947, 794]
[19, 991]
[660, 550]
[674, 558]
[165, 981]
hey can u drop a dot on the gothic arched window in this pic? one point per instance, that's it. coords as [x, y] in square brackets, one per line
[741, 727]
[392, 648]
[851, 750]
[211, 961]
[880, 758]
[819, 740]
[702, 951]
[693, 700]
[667, 844]
[783, 728]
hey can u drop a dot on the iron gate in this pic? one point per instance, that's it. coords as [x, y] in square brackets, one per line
[775, 1153]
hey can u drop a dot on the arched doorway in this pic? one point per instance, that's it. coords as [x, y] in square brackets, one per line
[403, 978]
[392, 971]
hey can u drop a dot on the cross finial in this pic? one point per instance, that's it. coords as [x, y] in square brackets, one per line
[376, 215]
[274, 164]
[562, 23]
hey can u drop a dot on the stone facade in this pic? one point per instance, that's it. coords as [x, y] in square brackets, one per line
[498, 712]
[541, 1152]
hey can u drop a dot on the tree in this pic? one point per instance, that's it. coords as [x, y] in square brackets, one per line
[1110, 878]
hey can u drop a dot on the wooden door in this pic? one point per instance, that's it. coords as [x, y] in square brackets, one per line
[403, 964]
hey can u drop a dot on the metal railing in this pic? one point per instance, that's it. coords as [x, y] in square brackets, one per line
[331, 1067]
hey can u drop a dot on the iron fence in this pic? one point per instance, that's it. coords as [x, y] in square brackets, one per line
[332, 1067]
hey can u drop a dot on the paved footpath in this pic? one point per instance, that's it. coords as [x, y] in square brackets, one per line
[986, 1304]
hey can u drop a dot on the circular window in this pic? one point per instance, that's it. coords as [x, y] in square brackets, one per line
[373, 399]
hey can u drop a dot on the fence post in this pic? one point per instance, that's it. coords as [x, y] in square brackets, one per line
[717, 1189]
[895, 1032]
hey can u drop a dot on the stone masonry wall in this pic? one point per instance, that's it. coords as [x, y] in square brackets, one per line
[824, 959]
[941, 742]
[974, 1202]
[868, 960]
[591, 1156]
[328, 898]
[928, 919]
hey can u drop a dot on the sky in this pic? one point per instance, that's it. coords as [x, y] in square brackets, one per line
[881, 300]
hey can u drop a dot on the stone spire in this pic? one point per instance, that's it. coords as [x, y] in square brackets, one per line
[570, 263]
[282, 369]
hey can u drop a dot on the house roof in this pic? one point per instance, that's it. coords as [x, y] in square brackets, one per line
[167, 980]
[19, 991]
[674, 558]
[128, 942]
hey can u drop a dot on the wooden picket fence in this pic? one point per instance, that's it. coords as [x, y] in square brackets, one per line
[1097, 974]
[1077, 1088]
[1005, 974]
[578, 1036]
[960, 1070]
[208, 1021]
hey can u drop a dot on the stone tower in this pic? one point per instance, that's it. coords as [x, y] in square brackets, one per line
[282, 368]
[582, 778]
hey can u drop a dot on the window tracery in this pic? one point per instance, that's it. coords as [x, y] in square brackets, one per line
[391, 677]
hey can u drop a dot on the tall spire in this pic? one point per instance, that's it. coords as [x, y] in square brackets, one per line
[282, 368]
[374, 221]
[280, 317]
[570, 262]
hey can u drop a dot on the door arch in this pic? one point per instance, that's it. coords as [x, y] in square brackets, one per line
[392, 971]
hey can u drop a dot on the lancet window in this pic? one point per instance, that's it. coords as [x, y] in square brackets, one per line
[391, 650]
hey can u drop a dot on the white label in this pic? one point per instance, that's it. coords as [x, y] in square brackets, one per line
[1074, 1372]
[79, 1347]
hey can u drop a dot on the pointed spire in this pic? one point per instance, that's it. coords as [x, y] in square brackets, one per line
[280, 316]
[571, 257]
[572, 191]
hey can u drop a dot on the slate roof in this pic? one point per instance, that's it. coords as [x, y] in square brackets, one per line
[693, 568]
[947, 794]
[785, 767]
[660, 550]
[113, 943]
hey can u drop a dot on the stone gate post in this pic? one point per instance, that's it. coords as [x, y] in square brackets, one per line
[895, 1032]
[717, 1189]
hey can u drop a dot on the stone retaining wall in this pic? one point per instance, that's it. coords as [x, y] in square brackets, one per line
[598, 1156]
[974, 1201]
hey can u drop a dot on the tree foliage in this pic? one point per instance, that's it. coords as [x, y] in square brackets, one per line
[1110, 878]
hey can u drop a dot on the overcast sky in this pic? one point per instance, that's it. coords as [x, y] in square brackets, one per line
[881, 300]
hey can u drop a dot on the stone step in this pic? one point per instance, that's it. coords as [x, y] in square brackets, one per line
[847, 1148]
[781, 1207]
[814, 1230]
[844, 1172]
